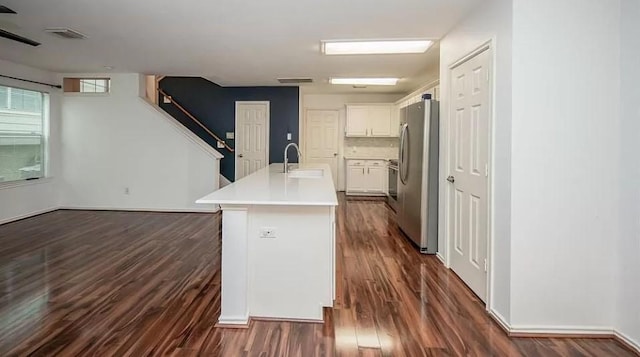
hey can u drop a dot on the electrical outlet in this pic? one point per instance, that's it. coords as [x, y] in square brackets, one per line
[289, 136]
[267, 232]
[220, 144]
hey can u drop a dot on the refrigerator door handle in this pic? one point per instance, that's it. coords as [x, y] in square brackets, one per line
[404, 170]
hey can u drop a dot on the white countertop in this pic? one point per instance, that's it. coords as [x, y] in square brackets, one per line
[270, 186]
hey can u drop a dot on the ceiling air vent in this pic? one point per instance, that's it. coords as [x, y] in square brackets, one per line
[66, 33]
[295, 80]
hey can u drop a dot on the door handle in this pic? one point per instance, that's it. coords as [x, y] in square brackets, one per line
[335, 154]
[240, 155]
[363, 170]
[451, 179]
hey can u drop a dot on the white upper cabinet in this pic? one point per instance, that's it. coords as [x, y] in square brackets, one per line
[372, 120]
[357, 121]
[380, 121]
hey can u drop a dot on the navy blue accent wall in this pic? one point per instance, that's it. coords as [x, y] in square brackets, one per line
[214, 106]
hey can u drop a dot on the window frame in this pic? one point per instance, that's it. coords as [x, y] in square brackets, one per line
[45, 175]
[69, 84]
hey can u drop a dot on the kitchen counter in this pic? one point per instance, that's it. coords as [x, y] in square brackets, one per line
[278, 245]
[356, 157]
[270, 186]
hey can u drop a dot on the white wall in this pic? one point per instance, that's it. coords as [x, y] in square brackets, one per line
[490, 22]
[118, 141]
[32, 197]
[627, 319]
[338, 102]
[565, 163]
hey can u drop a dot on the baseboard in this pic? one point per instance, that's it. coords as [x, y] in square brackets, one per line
[128, 209]
[241, 323]
[441, 258]
[281, 319]
[79, 208]
[501, 321]
[561, 331]
[627, 341]
[594, 332]
[28, 215]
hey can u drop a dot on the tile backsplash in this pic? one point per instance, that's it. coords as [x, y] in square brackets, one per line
[371, 147]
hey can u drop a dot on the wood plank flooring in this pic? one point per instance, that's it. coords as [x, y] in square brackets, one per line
[84, 283]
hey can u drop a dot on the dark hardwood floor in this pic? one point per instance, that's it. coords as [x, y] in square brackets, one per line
[82, 283]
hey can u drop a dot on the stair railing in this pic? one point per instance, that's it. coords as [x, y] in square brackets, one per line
[195, 120]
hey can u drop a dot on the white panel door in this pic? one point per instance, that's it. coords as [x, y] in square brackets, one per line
[468, 164]
[380, 121]
[321, 139]
[252, 137]
[357, 120]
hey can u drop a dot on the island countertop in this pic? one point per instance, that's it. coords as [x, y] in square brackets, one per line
[270, 186]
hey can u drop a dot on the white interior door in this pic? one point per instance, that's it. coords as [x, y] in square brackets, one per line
[468, 169]
[252, 137]
[321, 139]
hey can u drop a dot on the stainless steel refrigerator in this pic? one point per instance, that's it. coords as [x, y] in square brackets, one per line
[418, 174]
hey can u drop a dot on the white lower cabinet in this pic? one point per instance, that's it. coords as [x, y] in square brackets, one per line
[366, 177]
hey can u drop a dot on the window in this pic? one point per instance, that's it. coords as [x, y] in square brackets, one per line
[86, 85]
[22, 134]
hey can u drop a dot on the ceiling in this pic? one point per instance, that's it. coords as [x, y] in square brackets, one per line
[232, 42]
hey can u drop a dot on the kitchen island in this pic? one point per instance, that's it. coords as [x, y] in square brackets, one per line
[278, 245]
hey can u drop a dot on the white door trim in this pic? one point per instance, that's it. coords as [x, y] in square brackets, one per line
[444, 152]
[267, 131]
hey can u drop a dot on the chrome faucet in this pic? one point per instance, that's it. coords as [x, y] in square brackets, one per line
[286, 159]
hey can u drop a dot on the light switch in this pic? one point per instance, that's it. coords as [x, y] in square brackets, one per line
[231, 135]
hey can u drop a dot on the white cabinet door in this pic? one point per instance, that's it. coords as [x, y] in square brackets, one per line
[380, 120]
[375, 179]
[357, 121]
[395, 121]
[356, 178]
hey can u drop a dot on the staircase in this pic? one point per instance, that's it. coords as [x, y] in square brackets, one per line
[158, 96]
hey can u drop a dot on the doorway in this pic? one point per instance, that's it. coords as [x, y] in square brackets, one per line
[468, 154]
[252, 137]
[321, 137]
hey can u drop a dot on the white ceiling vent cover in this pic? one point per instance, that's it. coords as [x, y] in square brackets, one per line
[66, 33]
[295, 80]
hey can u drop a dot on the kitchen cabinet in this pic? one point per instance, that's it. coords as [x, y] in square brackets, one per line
[372, 120]
[357, 121]
[367, 177]
[375, 179]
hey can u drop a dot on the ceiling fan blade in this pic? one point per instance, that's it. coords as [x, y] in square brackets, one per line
[18, 38]
[6, 10]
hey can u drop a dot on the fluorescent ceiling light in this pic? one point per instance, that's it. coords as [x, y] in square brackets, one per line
[365, 81]
[375, 47]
